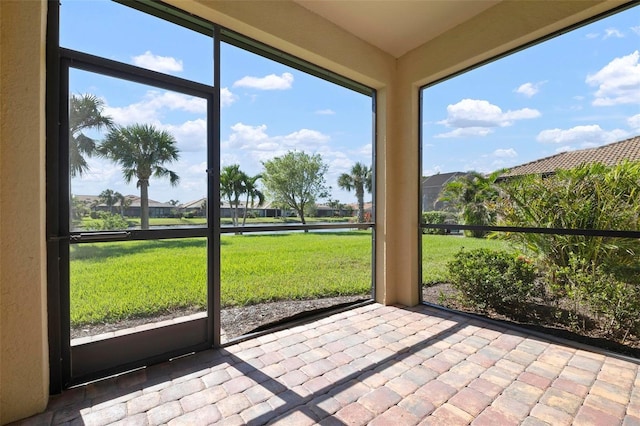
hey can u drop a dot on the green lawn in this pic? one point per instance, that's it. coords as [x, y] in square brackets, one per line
[113, 281]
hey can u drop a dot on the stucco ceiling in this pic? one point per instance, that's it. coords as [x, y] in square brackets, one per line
[397, 26]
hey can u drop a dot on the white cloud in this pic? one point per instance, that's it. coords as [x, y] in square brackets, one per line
[592, 35]
[256, 140]
[585, 136]
[634, 122]
[191, 135]
[151, 107]
[505, 153]
[636, 29]
[269, 82]
[472, 117]
[365, 150]
[158, 63]
[325, 112]
[618, 82]
[612, 32]
[227, 97]
[465, 132]
[433, 171]
[529, 89]
[565, 148]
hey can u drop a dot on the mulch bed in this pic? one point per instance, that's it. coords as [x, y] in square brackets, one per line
[541, 318]
[236, 321]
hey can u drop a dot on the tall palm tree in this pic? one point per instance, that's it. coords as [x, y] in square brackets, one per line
[253, 193]
[232, 187]
[142, 151]
[474, 196]
[85, 112]
[358, 180]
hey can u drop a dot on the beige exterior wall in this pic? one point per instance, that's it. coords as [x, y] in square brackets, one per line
[282, 24]
[24, 369]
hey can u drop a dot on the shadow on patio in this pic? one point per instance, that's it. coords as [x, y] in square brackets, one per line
[370, 365]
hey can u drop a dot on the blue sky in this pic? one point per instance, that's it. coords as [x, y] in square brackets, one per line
[578, 90]
[267, 108]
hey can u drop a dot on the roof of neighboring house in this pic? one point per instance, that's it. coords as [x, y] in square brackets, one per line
[195, 204]
[134, 201]
[609, 155]
[439, 179]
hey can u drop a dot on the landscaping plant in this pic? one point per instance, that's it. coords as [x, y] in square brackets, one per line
[599, 273]
[494, 279]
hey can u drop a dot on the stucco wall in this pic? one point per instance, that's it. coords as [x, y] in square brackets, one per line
[24, 374]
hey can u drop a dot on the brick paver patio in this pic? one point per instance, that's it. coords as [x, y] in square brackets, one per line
[372, 365]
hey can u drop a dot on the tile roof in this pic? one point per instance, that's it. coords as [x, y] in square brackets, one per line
[440, 179]
[611, 154]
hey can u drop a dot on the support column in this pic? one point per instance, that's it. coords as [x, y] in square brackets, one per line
[397, 194]
[24, 369]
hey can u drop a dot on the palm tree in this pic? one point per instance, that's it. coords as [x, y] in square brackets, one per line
[359, 179]
[85, 112]
[474, 195]
[124, 203]
[110, 198]
[252, 192]
[232, 187]
[142, 151]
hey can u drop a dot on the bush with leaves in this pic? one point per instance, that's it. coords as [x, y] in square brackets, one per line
[494, 279]
[436, 218]
[587, 197]
[598, 274]
[109, 222]
[615, 304]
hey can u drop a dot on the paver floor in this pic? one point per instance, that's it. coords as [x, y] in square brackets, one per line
[371, 365]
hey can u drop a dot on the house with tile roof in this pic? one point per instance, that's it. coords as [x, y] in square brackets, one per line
[609, 155]
[432, 186]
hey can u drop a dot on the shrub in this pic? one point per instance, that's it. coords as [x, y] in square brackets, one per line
[493, 279]
[434, 217]
[587, 197]
[109, 222]
[615, 304]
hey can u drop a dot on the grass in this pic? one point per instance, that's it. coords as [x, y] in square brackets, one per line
[119, 280]
[115, 281]
[437, 250]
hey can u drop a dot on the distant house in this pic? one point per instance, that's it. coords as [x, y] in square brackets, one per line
[131, 206]
[194, 208]
[609, 155]
[431, 188]
[324, 210]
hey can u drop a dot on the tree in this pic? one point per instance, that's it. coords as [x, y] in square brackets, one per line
[142, 151]
[85, 112]
[253, 193]
[296, 180]
[124, 203]
[358, 180]
[110, 198]
[232, 187]
[474, 196]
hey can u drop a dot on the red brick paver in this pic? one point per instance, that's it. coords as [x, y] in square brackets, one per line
[378, 365]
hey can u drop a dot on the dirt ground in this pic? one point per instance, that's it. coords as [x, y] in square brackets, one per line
[541, 318]
[235, 321]
[238, 321]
